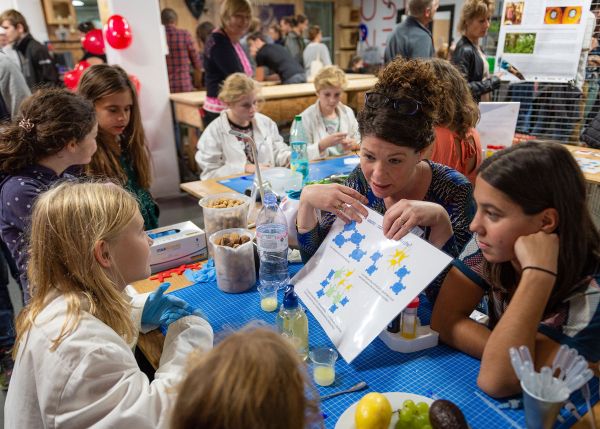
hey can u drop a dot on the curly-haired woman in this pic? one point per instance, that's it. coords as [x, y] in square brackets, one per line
[393, 177]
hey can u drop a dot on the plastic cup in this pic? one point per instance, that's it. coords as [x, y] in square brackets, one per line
[541, 413]
[323, 360]
[217, 219]
[268, 298]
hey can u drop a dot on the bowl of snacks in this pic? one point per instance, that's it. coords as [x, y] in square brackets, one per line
[233, 253]
[223, 211]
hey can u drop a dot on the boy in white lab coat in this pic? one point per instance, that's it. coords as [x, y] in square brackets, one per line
[330, 126]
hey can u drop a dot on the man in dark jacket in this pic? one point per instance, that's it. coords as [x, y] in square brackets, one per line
[412, 38]
[277, 58]
[36, 63]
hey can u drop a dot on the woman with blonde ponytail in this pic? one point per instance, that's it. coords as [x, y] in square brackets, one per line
[74, 365]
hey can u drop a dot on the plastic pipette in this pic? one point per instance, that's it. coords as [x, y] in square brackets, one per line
[585, 390]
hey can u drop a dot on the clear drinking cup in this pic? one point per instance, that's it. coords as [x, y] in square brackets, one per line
[268, 298]
[323, 362]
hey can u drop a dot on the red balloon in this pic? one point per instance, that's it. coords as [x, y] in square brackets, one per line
[93, 42]
[117, 32]
[81, 66]
[136, 82]
[71, 79]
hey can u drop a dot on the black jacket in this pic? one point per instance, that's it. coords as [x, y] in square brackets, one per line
[36, 63]
[220, 60]
[468, 60]
[591, 135]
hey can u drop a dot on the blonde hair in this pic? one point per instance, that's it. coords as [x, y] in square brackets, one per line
[474, 9]
[66, 223]
[236, 86]
[252, 379]
[330, 76]
[231, 7]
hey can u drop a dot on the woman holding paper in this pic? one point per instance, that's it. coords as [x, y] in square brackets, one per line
[393, 178]
[535, 255]
[468, 55]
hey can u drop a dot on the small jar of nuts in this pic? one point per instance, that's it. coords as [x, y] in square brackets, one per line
[233, 252]
[223, 211]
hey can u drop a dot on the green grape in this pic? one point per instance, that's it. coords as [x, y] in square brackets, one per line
[421, 421]
[409, 404]
[422, 408]
[405, 416]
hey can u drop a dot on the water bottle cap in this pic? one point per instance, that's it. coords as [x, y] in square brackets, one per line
[270, 198]
[290, 299]
[298, 118]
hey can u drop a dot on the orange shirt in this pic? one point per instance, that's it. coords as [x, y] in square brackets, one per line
[448, 150]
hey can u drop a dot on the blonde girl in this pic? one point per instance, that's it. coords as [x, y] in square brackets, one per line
[222, 154]
[252, 379]
[122, 152]
[331, 127]
[74, 365]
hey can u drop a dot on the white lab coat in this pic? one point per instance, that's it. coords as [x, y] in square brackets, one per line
[222, 154]
[92, 379]
[315, 130]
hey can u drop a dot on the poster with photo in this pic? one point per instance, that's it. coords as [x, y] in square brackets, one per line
[357, 271]
[542, 40]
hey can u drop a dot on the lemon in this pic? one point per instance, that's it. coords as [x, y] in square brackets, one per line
[373, 411]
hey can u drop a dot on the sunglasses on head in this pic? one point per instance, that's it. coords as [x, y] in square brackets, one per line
[404, 106]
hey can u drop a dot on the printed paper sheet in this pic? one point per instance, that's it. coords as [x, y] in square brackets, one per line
[358, 280]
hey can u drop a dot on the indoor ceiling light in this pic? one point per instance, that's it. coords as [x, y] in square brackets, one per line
[77, 3]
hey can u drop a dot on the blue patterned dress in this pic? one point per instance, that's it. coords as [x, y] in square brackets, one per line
[448, 188]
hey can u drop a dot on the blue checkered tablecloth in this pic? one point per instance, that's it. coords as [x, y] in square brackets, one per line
[439, 372]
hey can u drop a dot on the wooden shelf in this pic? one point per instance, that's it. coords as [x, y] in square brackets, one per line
[60, 12]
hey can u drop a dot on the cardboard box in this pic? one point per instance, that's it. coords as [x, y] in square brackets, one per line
[175, 245]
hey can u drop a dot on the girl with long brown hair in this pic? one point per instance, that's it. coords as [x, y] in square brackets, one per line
[122, 151]
[55, 130]
[74, 364]
[535, 256]
[457, 142]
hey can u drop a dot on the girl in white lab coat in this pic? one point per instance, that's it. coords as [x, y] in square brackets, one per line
[331, 127]
[221, 153]
[74, 365]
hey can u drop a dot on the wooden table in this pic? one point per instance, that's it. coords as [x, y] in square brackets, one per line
[282, 102]
[592, 179]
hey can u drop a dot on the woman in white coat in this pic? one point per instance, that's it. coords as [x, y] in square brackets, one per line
[222, 154]
[74, 365]
[331, 127]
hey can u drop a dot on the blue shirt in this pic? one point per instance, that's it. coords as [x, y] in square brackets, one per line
[18, 193]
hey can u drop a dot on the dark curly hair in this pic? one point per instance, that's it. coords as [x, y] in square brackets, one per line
[459, 111]
[48, 120]
[404, 78]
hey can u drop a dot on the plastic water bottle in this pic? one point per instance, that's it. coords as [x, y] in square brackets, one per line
[299, 158]
[272, 241]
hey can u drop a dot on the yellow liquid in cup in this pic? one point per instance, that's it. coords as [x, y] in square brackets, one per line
[268, 304]
[324, 375]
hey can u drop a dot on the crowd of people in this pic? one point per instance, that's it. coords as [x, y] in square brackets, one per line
[75, 203]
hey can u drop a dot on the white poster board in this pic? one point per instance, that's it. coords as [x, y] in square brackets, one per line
[358, 281]
[497, 123]
[542, 39]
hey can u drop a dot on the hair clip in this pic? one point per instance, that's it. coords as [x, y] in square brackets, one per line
[26, 124]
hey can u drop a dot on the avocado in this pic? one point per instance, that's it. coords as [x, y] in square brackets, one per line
[444, 414]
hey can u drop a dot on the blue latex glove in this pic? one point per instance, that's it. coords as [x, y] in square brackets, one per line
[161, 309]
